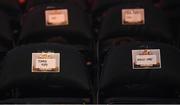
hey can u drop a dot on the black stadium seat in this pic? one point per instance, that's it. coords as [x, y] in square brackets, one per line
[155, 23]
[24, 78]
[89, 52]
[40, 25]
[125, 79]
[136, 25]
[152, 26]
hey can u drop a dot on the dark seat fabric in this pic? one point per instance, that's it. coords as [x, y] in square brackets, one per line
[178, 34]
[170, 3]
[34, 3]
[120, 83]
[73, 80]
[103, 5]
[34, 28]
[10, 6]
[6, 35]
[155, 27]
[52, 100]
[144, 100]
[172, 8]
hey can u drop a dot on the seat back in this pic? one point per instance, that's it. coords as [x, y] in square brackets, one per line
[128, 77]
[70, 24]
[45, 70]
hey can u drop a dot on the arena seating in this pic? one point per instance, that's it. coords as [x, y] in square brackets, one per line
[89, 52]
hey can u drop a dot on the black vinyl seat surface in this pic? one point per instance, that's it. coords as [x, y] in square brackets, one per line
[73, 80]
[33, 3]
[120, 83]
[155, 27]
[34, 28]
[39, 100]
[10, 6]
[172, 8]
[101, 6]
[6, 34]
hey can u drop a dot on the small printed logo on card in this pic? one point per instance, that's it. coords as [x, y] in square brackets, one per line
[46, 62]
[146, 59]
[56, 17]
[133, 16]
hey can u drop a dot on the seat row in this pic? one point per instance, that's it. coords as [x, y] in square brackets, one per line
[58, 58]
[66, 22]
[138, 72]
